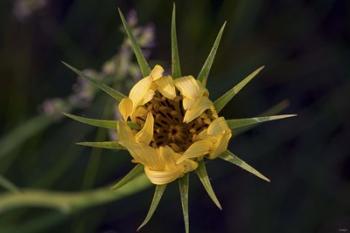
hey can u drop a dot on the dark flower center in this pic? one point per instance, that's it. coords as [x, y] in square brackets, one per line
[169, 128]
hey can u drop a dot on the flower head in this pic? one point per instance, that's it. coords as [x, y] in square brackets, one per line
[178, 126]
[170, 126]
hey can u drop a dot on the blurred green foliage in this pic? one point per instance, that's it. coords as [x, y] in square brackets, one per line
[304, 45]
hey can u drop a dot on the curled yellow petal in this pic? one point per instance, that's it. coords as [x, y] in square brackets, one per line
[166, 87]
[140, 90]
[145, 135]
[218, 126]
[197, 108]
[125, 108]
[220, 145]
[162, 177]
[157, 72]
[196, 150]
[188, 86]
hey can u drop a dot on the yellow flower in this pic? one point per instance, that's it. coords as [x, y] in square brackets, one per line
[178, 126]
[170, 126]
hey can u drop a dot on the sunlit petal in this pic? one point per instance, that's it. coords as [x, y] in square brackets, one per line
[140, 90]
[166, 87]
[125, 108]
[197, 108]
[188, 86]
[196, 150]
[157, 72]
[145, 135]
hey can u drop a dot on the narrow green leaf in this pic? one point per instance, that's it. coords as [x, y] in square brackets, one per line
[108, 124]
[175, 60]
[135, 172]
[245, 122]
[158, 193]
[113, 145]
[183, 188]
[232, 158]
[141, 60]
[203, 74]
[203, 177]
[221, 102]
[108, 90]
[8, 185]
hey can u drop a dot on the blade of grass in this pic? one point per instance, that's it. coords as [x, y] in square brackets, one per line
[221, 102]
[158, 193]
[246, 122]
[234, 159]
[108, 90]
[204, 178]
[183, 188]
[108, 124]
[204, 73]
[112, 145]
[141, 60]
[175, 60]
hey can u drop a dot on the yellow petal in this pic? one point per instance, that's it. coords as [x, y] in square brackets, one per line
[125, 108]
[218, 126]
[187, 103]
[162, 177]
[220, 145]
[196, 150]
[157, 72]
[166, 87]
[197, 108]
[188, 86]
[147, 97]
[145, 135]
[140, 90]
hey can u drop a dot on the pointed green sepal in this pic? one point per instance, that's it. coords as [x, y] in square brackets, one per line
[141, 60]
[133, 173]
[158, 193]
[221, 102]
[183, 188]
[232, 158]
[108, 124]
[112, 145]
[203, 74]
[175, 60]
[247, 122]
[204, 178]
[8, 185]
[110, 91]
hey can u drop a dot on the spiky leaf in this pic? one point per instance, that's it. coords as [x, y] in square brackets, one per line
[221, 102]
[183, 188]
[245, 122]
[110, 91]
[108, 124]
[203, 74]
[133, 173]
[112, 145]
[158, 193]
[141, 60]
[234, 159]
[204, 178]
[175, 60]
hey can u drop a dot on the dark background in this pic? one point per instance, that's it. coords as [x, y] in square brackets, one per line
[305, 47]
